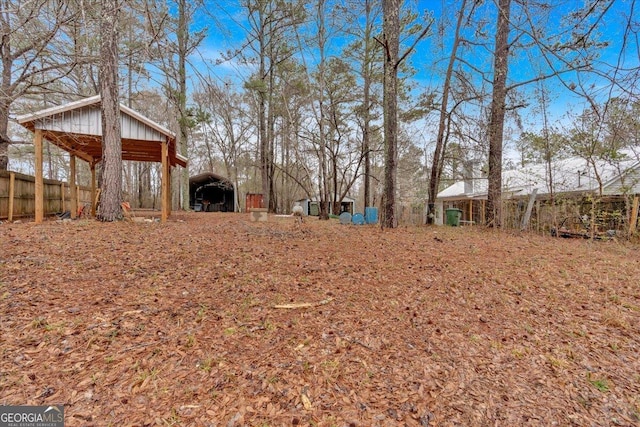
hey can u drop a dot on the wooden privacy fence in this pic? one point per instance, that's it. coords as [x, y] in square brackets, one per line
[17, 196]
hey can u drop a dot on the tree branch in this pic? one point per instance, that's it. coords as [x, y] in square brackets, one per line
[413, 46]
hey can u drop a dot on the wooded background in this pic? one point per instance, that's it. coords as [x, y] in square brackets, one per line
[285, 98]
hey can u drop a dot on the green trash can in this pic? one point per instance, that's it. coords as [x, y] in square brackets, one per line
[453, 216]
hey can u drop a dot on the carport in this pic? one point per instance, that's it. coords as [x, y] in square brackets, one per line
[209, 192]
[77, 128]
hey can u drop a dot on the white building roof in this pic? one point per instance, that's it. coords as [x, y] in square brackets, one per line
[571, 175]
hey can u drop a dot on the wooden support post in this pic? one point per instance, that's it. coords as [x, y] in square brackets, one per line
[470, 212]
[634, 216]
[94, 199]
[482, 213]
[39, 184]
[73, 192]
[164, 196]
[170, 190]
[12, 192]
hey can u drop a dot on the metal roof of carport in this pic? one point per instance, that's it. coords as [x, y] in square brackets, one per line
[207, 178]
[76, 127]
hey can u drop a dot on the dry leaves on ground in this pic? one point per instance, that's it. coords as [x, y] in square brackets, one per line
[213, 320]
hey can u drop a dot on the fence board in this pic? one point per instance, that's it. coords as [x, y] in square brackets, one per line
[23, 200]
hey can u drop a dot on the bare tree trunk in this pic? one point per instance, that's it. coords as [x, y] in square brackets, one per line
[366, 127]
[271, 136]
[366, 144]
[4, 139]
[335, 195]
[262, 121]
[548, 156]
[140, 192]
[284, 200]
[391, 27]
[438, 155]
[263, 90]
[5, 100]
[496, 123]
[183, 51]
[111, 195]
[324, 167]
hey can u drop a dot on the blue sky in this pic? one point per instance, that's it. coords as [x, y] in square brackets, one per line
[227, 30]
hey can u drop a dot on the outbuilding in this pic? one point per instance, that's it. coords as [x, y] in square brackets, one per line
[575, 183]
[312, 206]
[76, 127]
[209, 192]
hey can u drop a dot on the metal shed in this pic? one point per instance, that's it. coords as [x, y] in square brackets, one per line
[209, 192]
[76, 127]
[311, 207]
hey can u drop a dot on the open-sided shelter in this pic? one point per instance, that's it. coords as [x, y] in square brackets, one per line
[76, 127]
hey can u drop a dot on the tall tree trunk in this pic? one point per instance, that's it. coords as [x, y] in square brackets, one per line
[548, 154]
[111, 195]
[271, 134]
[183, 51]
[285, 162]
[262, 115]
[366, 144]
[140, 188]
[5, 100]
[4, 139]
[324, 167]
[335, 194]
[391, 27]
[438, 155]
[263, 91]
[366, 100]
[496, 122]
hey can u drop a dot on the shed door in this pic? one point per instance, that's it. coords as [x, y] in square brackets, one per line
[314, 210]
[254, 200]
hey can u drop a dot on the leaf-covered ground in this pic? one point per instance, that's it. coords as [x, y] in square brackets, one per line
[186, 323]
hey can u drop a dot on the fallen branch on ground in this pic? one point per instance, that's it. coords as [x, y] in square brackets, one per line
[304, 304]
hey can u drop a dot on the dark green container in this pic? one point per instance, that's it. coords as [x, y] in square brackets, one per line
[453, 216]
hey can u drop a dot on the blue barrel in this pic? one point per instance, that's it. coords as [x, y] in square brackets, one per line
[357, 219]
[371, 215]
[345, 218]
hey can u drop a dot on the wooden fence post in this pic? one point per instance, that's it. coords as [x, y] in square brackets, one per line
[12, 190]
[62, 202]
[634, 216]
